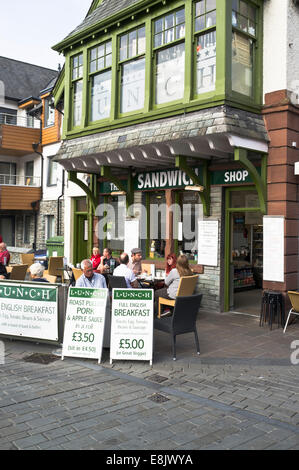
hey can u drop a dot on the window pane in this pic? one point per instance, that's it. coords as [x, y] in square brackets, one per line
[141, 40]
[169, 21]
[133, 86]
[93, 67]
[52, 172]
[211, 5]
[251, 28]
[206, 62]
[81, 59]
[101, 96]
[108, 60]
[132, 43]
[101, 50]
[93, 54]
[169, 36]
[234, 19]
[108, 47]
[180, 31]
[242, 64]
[236, 5]
[123, 47]
[211, 19]
[77, 103]
[251, 12]
[158, 40]
[159, 25]
[243, 8]
[170, 74]
[243, 23]
[200, 23]
[200, 8]
[101, 63]
[180, 16]
[75, 62]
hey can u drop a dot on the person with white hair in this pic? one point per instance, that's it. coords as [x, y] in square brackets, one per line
[37, 271]
[89, 278]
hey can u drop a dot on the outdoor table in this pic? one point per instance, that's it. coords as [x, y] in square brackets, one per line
[153, 282]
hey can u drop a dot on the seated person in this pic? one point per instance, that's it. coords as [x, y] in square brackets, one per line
[37, 271]
[107, 262]
[172, 281]
[4, 254]
[125, 271]
[170, 263]
[89, 278]
[96, 257]
[3, 272]
[135, 263]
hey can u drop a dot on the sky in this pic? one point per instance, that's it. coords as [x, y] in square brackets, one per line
[29, 28]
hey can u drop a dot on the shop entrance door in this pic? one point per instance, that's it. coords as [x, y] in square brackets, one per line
[243, 251]
[80, 237]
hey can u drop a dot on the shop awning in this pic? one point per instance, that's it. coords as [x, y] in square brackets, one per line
[211, 134]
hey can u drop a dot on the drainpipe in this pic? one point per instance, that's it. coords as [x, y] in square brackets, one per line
[58, 204]
[35, 146]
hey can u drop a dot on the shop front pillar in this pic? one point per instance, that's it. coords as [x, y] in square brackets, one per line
[169, 246]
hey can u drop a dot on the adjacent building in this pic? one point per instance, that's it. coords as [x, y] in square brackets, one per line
[179, 103]
[21, 164]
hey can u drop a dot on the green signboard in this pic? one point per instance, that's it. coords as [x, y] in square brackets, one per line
[176, 179]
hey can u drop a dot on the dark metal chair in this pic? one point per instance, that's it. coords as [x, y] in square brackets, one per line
[117, 282]
[183, 320]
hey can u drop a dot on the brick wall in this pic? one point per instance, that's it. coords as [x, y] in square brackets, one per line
[282, 122]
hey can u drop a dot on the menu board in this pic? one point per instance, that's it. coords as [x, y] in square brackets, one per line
[208, 242]
[132, 325]
[84, 323]
[273, 248]
[29, 310]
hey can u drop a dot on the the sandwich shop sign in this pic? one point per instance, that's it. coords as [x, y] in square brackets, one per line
[175, 179]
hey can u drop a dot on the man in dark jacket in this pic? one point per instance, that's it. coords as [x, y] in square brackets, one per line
[3, 272]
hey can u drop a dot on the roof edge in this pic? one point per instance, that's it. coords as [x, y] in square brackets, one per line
[79, 36]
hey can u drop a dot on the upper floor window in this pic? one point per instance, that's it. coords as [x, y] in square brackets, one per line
[244, 17]
[132, 67]
[205, 29]
[49, 113]
[77, 84]
[52, 172]
[169, 47]
[100, 61]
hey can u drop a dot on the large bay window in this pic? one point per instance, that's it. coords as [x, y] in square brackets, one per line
[205, 29]
[168, 60]
[169, 47]
[244, 18]
[132, 66]
[100, 76]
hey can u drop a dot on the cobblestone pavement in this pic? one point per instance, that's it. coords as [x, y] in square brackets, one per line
[241, 393]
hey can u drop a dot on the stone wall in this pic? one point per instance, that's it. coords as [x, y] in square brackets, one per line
[48, 208]
[209, 281]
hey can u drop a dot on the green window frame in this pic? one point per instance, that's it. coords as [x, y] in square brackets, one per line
[100, 81]
[205, 57]
[77, 89]
[131, 66]
[168, 42]
[244, 43]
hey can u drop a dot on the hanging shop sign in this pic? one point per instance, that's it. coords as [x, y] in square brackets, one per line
[176, 179]
[29, 311]
[132, 325]
[85, 323]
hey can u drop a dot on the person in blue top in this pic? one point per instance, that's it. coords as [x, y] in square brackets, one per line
[89, 278]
